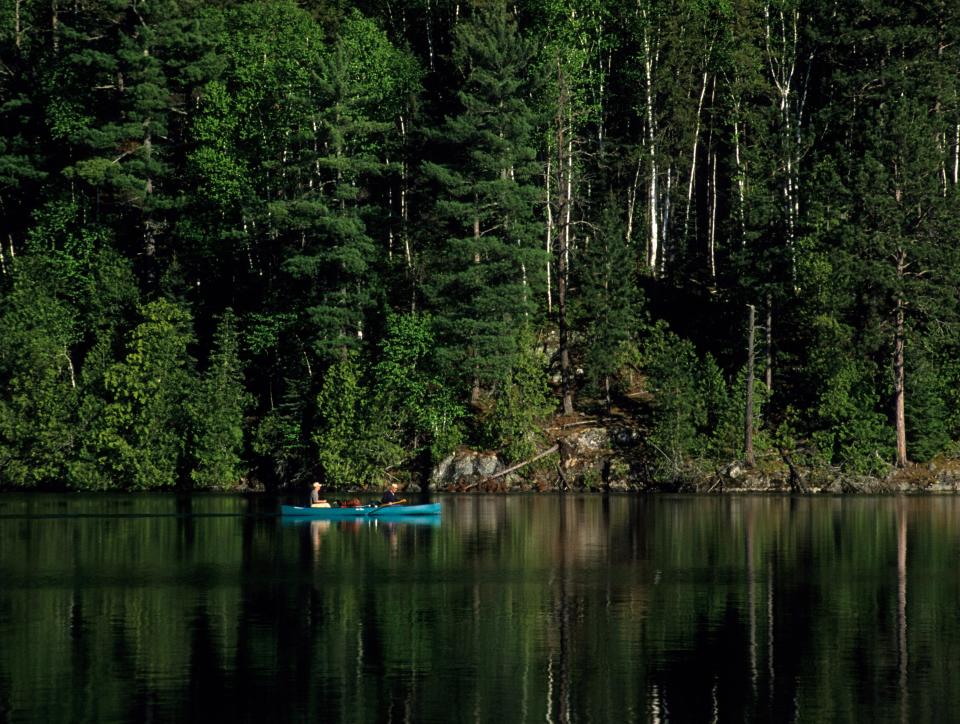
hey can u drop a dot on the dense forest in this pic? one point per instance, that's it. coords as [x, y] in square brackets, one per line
[276, 239]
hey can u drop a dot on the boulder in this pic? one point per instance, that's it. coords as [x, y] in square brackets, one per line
[465, 468]
[592, 440]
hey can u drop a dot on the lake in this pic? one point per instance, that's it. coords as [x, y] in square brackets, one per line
[510, 609]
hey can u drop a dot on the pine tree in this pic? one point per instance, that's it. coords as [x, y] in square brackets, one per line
[484, 270]
[904, 204]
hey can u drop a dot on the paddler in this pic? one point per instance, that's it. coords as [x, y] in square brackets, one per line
[315, 500]
[390, 496]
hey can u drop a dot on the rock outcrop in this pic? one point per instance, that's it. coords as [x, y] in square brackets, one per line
[608, 458]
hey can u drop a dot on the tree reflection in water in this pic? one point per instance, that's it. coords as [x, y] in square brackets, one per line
[507, 609]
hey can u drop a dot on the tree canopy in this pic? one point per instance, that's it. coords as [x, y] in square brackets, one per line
[283, 239]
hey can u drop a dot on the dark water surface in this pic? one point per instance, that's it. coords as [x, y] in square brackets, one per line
[511, 609]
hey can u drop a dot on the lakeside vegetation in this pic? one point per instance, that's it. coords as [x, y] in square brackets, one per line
[277, 240]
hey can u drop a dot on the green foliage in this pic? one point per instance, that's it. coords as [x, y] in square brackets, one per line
[409, 392]
[521, 405]
[697, 415]
[724, 419]
[678, 406]
[930, 386]
[320, 168]
[39, 397]
[277, 437]
[352, 439]
[217, 413]
[608, 307]
[142, 438]
[850, 431]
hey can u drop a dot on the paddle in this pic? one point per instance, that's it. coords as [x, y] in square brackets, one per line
[375, 508]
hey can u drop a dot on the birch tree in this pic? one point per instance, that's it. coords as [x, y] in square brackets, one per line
[566, 66]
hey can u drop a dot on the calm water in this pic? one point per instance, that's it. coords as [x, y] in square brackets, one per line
[512, 609]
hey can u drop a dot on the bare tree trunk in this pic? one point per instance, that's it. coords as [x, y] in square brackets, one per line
[549, 242]
[563, 272]
[899, 379]
[712, 221]
[768, 333]
[73, 376]
[475, 388]
[748, 407]
[564, 148]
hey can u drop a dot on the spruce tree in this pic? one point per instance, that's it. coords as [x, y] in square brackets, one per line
[217, 413]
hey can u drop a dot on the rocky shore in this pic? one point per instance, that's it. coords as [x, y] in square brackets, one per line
[605, 459]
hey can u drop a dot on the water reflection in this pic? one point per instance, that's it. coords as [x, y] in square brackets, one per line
[512, 609]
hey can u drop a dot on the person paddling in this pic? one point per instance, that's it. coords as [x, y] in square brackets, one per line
[390, 496]
[315, 500]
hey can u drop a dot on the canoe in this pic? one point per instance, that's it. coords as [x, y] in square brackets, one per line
[362, 511]
[416, 521]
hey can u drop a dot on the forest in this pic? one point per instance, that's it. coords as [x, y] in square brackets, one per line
[272, 241]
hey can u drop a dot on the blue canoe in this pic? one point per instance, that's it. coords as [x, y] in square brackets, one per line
[362, 511]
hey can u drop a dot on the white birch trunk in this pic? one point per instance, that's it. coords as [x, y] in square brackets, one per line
[73, 376]
[956, 153]
[782, 62]
[390, 222]
[549, 239]
[942, 153]
[17, 29]
[55, 26]
[693, 156]
[665, 220]
[712, 223]
[741, 181]
[632, 198]
[404, 203]
[430, 35]
[653, 251]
